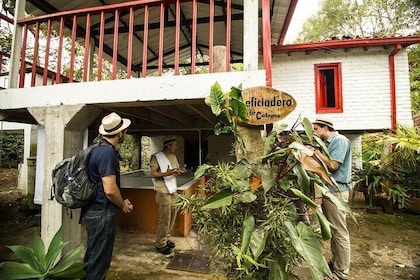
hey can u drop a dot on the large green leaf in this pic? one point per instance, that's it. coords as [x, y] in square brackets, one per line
[309, 202]
[307, 125]
[248, 197]
[15, 270]
[309, 247]
[38, 248]
[340, 203]
[257, 242]
[55, 248]
[236, 92]
[242, 171]
[247, 229]
[220, 199]
[239, 108]
[201, 170]
[324, 224]
[75, 271]
[269, 142]
[267, 177]
[217, 99]
[25, 254]
[278, 270]
[303, 179]
[68, 261]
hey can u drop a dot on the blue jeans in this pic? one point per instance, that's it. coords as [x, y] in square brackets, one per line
[101, 227]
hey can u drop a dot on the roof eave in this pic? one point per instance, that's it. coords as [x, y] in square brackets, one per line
[348, 43]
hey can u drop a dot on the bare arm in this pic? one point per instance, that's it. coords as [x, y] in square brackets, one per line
[113, 193]
[154, 172]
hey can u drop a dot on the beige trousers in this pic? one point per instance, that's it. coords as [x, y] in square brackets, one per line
[340, 241]
[166, 218]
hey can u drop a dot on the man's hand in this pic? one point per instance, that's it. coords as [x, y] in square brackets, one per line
[127, 206]
[182, 170]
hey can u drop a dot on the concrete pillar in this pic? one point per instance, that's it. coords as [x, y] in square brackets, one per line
[136, 153]
[64, 133]
[16, 44]
[250, 35]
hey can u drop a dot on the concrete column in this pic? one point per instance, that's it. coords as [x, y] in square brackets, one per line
[136, 153]
[16, 44]
[250, 35]
[64, 133]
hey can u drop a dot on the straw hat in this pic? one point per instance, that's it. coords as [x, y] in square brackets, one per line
[324, 121]
[167, 140]
[112, 124]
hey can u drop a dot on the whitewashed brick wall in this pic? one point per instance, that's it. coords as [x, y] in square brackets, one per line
[365, 81]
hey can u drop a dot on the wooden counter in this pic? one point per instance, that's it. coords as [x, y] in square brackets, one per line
[138, 188]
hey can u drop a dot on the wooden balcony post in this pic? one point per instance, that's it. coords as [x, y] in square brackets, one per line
[16, 44]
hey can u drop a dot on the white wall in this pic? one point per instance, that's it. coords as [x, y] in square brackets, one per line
[365, 81]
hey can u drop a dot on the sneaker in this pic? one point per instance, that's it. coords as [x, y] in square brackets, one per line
[170, 244]
[164, 250]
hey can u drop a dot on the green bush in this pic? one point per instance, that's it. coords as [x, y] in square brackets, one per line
[11, 149]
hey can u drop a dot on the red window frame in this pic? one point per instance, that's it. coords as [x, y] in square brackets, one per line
[328, 88]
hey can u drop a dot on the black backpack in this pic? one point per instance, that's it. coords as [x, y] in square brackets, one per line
[71, 185]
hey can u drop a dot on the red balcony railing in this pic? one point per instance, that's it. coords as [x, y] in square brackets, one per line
[147, 37]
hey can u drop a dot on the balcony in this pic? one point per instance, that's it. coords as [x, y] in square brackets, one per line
[140, 58]
[135, 39]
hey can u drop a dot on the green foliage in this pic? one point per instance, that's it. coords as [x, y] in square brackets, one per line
[366, 19]
[38, 264]
[414, 68]
[259, 229]
[125, 150]
[391, 164]
[11, 148]
[233, 108]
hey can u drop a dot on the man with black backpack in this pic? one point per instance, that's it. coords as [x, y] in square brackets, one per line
[100, 215]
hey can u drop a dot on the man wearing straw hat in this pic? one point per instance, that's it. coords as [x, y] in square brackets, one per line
[100, 215]
[164, 168]
[339, 148]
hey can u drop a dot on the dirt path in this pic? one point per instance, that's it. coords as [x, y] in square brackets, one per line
[384, 246]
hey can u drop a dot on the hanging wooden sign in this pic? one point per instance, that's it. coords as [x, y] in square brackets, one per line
[266, 105]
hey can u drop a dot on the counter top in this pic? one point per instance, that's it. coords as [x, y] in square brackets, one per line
[142, 180]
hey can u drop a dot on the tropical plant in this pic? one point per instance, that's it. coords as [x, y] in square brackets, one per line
[414, 68]
[255, 216]
[368, 179]
[404, 158]
[391, 165]
[38, 264]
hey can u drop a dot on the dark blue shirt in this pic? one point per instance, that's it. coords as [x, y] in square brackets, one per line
[103, 161]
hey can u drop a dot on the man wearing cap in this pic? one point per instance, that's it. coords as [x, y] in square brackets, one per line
[339, 148]
[164, 168]
[100, 215]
